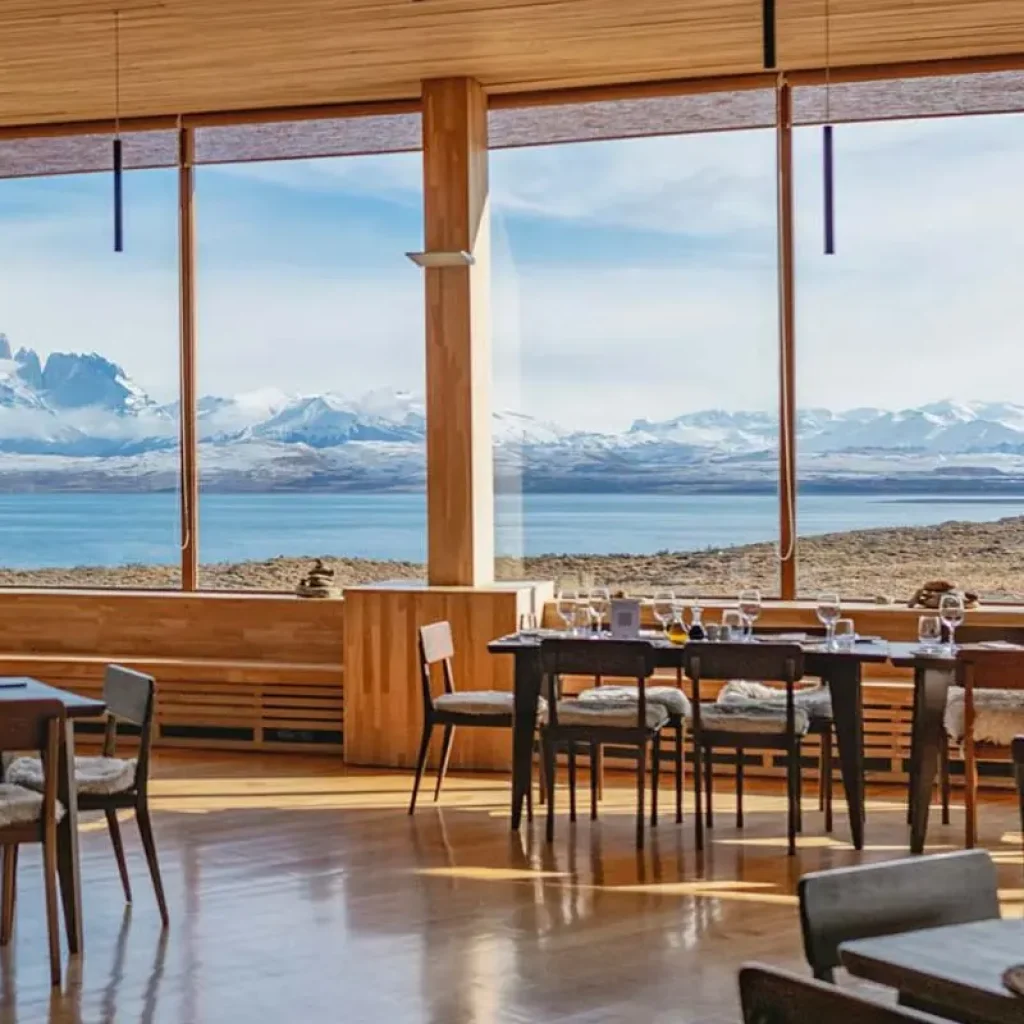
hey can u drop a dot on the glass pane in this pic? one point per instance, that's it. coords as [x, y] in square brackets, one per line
[311, 369]
[911, 441]
[88, 383]
[635, 331]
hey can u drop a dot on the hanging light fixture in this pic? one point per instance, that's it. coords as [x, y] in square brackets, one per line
[118, 155]
[768, 32]
[827, 168]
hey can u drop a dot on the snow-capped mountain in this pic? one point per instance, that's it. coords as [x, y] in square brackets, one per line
[79, 421]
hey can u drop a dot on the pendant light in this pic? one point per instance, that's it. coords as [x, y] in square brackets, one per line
[768, 32]
[118, 155]
[828, 179]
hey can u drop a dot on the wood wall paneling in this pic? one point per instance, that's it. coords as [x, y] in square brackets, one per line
[460, 475]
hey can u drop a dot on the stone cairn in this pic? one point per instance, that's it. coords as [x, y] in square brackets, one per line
[929, 594]
[318, 582]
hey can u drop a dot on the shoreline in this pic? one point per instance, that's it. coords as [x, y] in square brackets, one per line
[885, 562]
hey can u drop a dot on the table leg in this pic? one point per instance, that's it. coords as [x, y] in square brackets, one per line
[67, 842]
[527, 690]
[848, 712]
[931, 688]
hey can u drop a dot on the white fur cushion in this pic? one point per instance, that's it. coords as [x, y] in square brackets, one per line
[614, 714]
[21, 806]
[99, 776]
[671, 698]
[998, 715]
[767, 718]
[815, 700]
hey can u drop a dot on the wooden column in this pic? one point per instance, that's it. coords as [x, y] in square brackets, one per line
[460, 480]
[787, 340]
[187, 359]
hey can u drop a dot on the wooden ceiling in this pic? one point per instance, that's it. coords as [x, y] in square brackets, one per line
[187, 56]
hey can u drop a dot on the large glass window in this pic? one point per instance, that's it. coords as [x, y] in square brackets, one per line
[635, 333]
[89, 383]
[311, 371]
[911, 438]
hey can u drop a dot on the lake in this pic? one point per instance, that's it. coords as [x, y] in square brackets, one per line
[66, 529]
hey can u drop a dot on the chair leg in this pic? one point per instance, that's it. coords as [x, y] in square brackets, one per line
[10, 883]
[680, 779]
[825, 770]
[944, 777]
[698, 813]
[799, 791]
[739, 787]
[792, 780]
[655, 777]
[446, 752]
[421, 762]
[549, 778]
[572, 781]
[595, 784]
[529, 801]
[970, 794]
[641, 772]
[600, 772]
[52, 906]
[149, 845]
[709, 783]
[115, 838]
[542, 785]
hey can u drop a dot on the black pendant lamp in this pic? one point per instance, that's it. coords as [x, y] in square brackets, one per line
[827, 163]
[118, 155]
[768, 32]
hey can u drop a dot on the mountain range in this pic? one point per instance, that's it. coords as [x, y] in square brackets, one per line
[78, 422]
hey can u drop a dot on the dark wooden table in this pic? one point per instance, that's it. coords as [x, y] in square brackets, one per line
[67, 831]
[840, 670]
[957, 970]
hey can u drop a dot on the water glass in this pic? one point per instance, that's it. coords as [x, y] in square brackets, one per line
[528, 622]
[829, 610]
[583, 618]
[951, 611]
[732, 627]
[600, 600]
[567, 607]
[845, 634]
[750, 609]
[929, 632]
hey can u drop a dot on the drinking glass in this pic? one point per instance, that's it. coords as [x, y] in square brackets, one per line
[583, 618]
[528, 622]
[951, 611]
[829, 610]
[845, 634]
[567, 607]
[664, 607]
[929, 632]
[750, 609]
[600, 599]
[732, 625]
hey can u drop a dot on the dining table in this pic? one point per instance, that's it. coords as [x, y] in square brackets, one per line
[15, 690]
[840, 668]
[955, 971]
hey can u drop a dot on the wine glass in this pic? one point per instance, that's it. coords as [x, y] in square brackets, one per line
[600, 599]
[567, 600]
[951, 611]
[664, 607]
[750, 609]
[929, 632]
[732, 625]
[829, 609]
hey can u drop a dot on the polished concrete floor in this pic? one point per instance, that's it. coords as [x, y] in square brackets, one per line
[303, 893]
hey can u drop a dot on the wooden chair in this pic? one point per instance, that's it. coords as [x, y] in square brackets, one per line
[108, 783]
[761, 727]
[984, 713]
[890, 898]
[632, 722]
[27, 816]
[491, 709]
[776, 997]
[1018, 770]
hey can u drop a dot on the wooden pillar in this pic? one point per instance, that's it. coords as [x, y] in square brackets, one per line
[187, 361]
[460, 476]
[787, 341]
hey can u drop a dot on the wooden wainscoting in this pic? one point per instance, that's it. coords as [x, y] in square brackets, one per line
[241, 671]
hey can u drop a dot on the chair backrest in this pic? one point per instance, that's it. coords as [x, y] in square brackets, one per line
[770, 996]
[983, 668]
[890, 898]
[1018, 769]
[766, 662]
[436, 648]
[130, 697]
[35, 725]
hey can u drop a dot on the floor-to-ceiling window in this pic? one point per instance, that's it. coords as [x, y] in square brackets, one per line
[89, 374]
[311, 371]
[911, 435]
[636, 386]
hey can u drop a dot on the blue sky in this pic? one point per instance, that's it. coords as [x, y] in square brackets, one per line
[632, 278]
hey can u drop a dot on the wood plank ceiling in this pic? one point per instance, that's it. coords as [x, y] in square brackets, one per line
[187, 56]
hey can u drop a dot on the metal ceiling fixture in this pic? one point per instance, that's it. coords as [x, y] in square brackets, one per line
[828, 179]
[768, 32]
[118, 155]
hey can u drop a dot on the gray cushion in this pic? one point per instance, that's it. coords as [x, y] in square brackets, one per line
[998, 715]
[21, 806]
[477, 702]
[767, 719]
[815, 700]
[620, 714]
[671, 698]
[99, 776]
